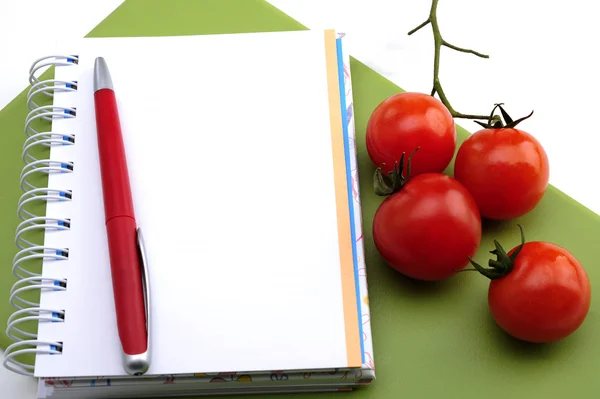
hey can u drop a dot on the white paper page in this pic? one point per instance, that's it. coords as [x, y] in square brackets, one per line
[228, 142]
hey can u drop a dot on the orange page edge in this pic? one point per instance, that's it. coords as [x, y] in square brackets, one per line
[353, 349]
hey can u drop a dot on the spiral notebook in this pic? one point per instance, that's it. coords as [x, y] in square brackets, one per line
[241, 154]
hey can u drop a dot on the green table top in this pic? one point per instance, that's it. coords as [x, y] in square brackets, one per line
[430, 340]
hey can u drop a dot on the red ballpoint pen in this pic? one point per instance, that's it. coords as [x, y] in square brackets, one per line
[125, 243]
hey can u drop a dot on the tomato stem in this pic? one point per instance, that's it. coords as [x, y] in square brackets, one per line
[502, 265]
[439, 41]
[394, 180]
[495, 121]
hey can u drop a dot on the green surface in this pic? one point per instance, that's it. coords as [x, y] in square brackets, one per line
[430, 340]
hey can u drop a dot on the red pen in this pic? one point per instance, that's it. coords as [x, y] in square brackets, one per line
[125, 243]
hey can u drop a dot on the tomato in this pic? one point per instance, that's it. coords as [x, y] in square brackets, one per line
[429, 228]
[406, 121]
[505, 169]
[540, 293]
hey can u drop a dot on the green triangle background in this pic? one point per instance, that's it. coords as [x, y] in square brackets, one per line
[431, 340]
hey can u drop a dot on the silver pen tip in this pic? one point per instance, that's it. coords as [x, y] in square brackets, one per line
[102, 79]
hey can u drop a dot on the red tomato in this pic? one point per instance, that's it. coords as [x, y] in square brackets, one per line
[406, 121]
[429, 228]
[542, 295]
[505, 169]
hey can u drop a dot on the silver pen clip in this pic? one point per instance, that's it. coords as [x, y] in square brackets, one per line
[138, 364]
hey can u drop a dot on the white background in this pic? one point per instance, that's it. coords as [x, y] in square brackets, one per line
[542, 57]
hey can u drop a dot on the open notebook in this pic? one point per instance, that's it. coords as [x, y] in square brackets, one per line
[242, 162]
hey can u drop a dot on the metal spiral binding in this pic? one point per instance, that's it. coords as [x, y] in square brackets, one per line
[30, 249]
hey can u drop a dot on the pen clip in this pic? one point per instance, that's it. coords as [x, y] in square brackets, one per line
[145, 281]
[138, 364]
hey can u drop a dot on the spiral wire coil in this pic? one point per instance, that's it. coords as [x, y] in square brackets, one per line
[32, 224]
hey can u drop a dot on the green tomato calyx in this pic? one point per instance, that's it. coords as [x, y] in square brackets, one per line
[502, 265]
[394, 180]
[495, 122]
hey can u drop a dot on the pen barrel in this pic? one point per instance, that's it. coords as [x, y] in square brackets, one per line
[113, 163]
[127, 284]
[121, 227]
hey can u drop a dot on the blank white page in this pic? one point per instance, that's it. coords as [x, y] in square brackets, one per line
[229, 148]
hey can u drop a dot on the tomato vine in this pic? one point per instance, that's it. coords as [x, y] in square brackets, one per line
[439, 41]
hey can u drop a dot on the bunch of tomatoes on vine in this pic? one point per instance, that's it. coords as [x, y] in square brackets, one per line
[430, 225]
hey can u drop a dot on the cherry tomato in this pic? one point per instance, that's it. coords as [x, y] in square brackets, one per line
[540, 293]
[406, 121]
[429, 228]
[505, 169]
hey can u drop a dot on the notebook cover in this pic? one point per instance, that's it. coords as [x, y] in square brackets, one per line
[431, 340]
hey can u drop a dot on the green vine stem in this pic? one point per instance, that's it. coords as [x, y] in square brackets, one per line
[439, 41]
